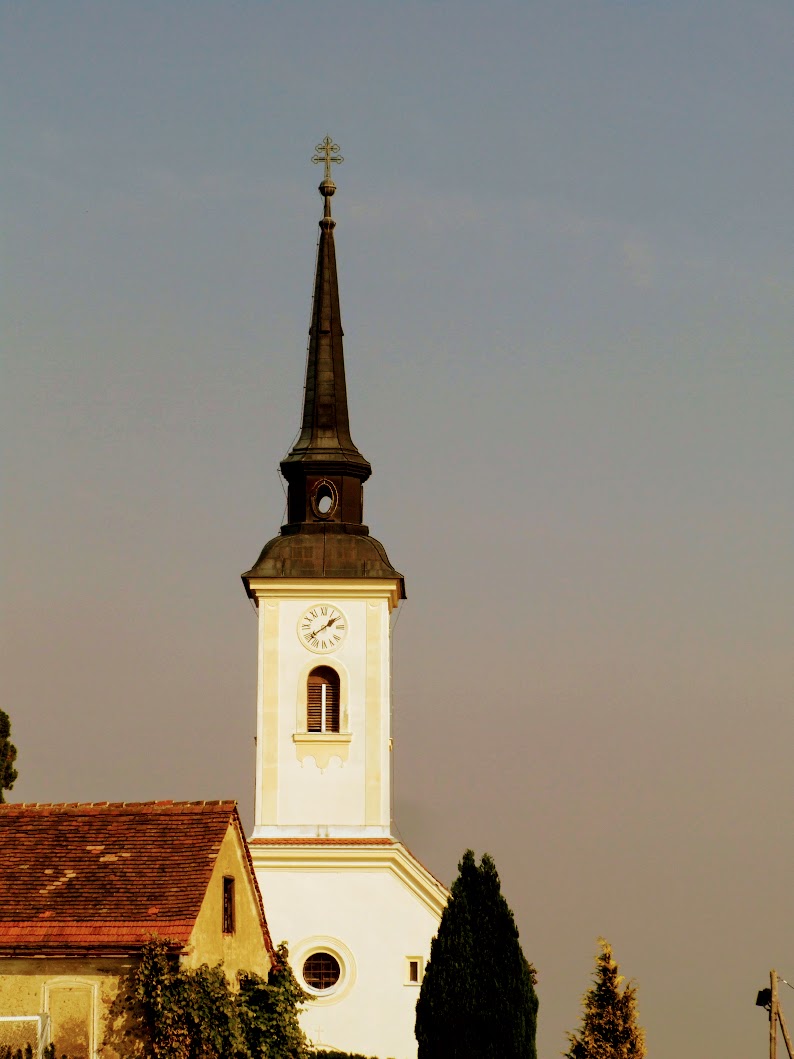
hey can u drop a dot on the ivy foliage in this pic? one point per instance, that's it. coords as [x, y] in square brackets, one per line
[609, 1027]
[8, 755]
[165, 1012]
[268, 1013]
[477, 999]
[325, 1054]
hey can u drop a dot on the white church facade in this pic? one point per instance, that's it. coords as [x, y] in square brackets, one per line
[356, 908]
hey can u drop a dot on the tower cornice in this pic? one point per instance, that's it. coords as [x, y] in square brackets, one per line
[326, 588]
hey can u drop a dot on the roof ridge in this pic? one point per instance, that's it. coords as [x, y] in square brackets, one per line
[166, 803]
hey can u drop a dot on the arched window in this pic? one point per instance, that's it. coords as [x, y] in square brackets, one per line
[322, 700]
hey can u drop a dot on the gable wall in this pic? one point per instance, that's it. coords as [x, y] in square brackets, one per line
[245, 949]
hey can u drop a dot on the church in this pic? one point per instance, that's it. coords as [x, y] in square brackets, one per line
[357, 909]
[87, 884]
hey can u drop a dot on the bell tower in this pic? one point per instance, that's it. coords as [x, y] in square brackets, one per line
[324, 591]
[357, 909]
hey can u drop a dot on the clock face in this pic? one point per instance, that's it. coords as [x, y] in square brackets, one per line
[322, 628]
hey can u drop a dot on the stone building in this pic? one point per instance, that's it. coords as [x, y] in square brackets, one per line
[83, 887]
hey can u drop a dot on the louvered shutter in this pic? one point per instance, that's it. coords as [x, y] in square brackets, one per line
[314, 703]
[332, 706]
[322, 679]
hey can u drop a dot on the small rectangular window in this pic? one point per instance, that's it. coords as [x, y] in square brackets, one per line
[413, 970]
[228, 905]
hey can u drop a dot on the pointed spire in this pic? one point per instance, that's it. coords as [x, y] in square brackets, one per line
[324, 445]
[325, 428]
[324, 535]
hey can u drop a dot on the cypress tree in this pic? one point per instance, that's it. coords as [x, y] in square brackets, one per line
[477, 999]
[8, 753]
[609, 1027]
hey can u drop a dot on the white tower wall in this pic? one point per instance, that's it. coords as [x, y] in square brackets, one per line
[333, 878]
[323, 784]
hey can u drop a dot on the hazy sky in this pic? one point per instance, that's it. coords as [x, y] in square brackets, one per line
[565, 239]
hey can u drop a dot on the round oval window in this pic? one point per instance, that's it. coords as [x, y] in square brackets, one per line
[325, 499]
[321, 970]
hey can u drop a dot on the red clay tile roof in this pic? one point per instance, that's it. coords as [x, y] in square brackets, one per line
[104, 876]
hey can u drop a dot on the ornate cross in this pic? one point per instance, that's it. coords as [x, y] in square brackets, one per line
[325, 153]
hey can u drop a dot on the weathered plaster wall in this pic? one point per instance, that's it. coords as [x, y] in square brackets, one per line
[75, 993]
[244, 950]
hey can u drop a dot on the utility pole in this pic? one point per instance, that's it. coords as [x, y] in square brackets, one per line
[784, 1028]
[768, 998]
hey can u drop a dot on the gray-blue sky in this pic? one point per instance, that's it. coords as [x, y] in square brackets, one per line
[564, 236]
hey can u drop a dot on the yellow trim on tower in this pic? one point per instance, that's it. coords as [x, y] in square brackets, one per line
[268, 750]
[372, 713]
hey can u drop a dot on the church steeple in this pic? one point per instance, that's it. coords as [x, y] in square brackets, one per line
[324, 449]
[323, 849]
[324, 534]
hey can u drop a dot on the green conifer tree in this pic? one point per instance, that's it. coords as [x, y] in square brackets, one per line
[8, 754]
[477, 999]
[609, 1027]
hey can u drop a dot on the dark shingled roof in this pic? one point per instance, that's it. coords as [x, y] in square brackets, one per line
[103, 877]
[329, 554]
[325, 427]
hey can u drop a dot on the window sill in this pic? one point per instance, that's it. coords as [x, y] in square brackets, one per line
[322, 746]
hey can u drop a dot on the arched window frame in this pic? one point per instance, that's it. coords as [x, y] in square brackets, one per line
[327, 710]
[301, 717]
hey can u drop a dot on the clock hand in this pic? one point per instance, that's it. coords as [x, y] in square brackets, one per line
[328, 624]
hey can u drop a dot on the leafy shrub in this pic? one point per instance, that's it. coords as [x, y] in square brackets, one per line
[165, 1012]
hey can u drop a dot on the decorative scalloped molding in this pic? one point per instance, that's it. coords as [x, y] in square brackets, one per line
[322, 746]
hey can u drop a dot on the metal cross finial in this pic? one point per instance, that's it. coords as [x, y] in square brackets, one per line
[325, 153]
